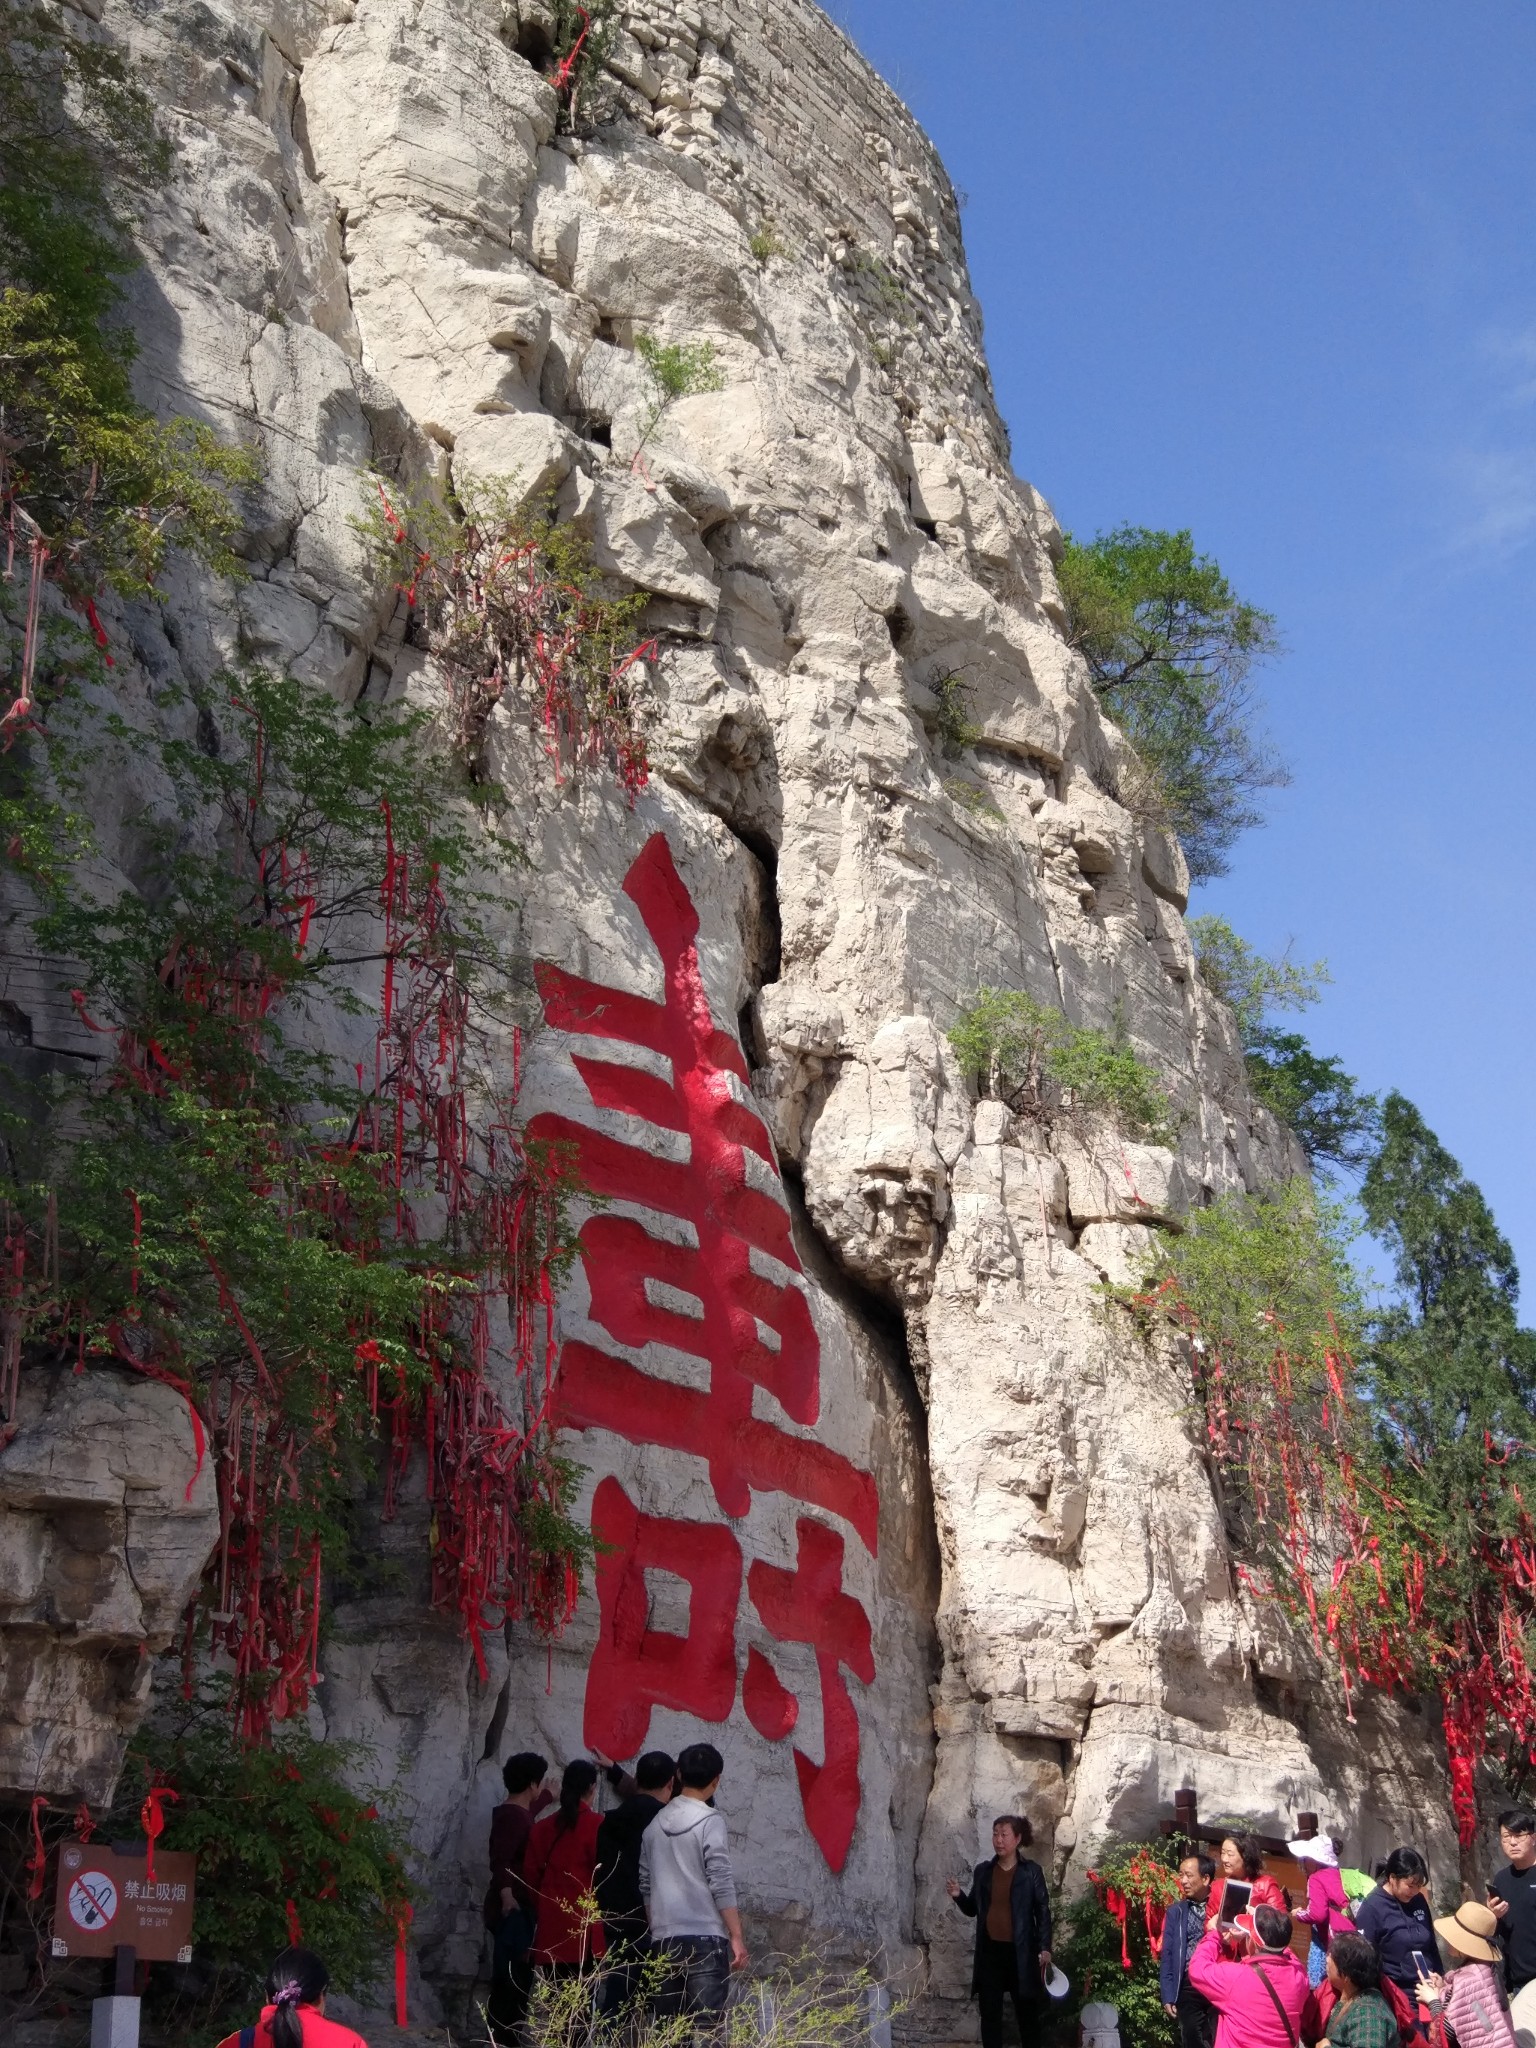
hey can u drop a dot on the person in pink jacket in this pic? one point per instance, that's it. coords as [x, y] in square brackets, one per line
[1260, 1997]
[1470, 1996]
[1327, 1909]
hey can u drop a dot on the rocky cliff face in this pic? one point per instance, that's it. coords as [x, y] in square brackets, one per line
[882, 1481]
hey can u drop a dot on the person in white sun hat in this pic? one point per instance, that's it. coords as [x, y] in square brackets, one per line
[1327, 1909]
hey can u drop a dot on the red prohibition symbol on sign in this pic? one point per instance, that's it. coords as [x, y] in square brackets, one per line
[93, 1899]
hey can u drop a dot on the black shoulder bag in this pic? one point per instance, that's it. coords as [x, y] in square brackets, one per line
[1285, 2018]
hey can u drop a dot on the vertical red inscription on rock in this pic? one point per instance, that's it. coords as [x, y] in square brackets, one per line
[724, 1287]
[808, 1605]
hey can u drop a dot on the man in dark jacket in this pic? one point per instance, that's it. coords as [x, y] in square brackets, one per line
[1183, 1931]
[617, 1880]
[1007, 1899]
[508, 1907]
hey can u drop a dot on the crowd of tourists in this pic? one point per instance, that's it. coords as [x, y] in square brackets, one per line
[646, 1891]
[1382, 1970]
[667, 1928]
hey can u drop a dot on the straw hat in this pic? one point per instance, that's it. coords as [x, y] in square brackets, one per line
[1470, 1931]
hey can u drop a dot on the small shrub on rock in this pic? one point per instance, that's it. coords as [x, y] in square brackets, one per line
[1028, 1054]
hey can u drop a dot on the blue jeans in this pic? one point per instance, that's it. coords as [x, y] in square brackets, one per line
[698, 1975]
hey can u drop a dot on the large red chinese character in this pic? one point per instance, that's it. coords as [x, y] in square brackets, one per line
[732, 1295]
[636, 1667]
[808, 1605]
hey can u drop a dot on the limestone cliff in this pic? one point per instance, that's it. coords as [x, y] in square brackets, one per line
[377, 249]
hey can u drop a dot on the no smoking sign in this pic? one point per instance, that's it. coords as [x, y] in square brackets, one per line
[93, 1900]
[106, 1900]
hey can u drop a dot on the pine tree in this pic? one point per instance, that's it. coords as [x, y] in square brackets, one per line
[1449, 1363]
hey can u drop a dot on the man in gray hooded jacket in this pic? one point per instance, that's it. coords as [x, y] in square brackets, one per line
[689, 1891]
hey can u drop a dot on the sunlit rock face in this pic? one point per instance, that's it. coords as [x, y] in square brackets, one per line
[895, 1509]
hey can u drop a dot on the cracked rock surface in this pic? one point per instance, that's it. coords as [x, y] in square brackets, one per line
[376, 249]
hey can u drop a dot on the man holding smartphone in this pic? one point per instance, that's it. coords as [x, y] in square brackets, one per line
[1512, 1896]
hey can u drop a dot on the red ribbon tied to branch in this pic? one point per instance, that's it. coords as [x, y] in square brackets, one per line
[1155, 1914]
[404, 1914]
[152, 1818]
[1116, 1905]
[295, 1930]
[37, 1862]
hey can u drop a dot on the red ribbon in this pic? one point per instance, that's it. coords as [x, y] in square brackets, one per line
[560, 81]
[295, 1931]
[98, 629]
[404, 1914]
[1155, 1914]
[1115, 1904]
[152, 1818]
[85, 1827]
[37, 1862]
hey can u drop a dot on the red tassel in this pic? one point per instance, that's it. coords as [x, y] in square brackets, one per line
[152, 1817]
[98, 629]
[1115, 1903]
[403, 1917]
[37, 1862]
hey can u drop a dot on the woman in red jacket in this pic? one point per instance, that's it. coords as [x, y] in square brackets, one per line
[1242, 1859]
[295, 2015]
[558, 1868]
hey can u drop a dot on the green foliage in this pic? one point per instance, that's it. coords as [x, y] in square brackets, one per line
[678, 369]
[584, 33]
[970, 797]
[236, 1211]
[269, 1825]
[1089, 1947]
[1265, 1287]
[1257, 1270]
[72, 122]
[1251, 983]
[1450, 1376]
[882, 286]
[105, 486]
[1170, 647]
[505, 596]
[1028, 1055]
[1448, 1360]
[1336, 1123]
[764, 244]
[953, 723]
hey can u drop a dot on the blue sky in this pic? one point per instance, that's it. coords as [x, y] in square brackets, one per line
[1269, 272]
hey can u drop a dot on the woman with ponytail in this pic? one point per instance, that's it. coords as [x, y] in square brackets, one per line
[558, 1868]
[295, 2018]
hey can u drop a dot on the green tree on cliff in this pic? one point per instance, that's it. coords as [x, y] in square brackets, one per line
[1337, 1123]
[1171, 647]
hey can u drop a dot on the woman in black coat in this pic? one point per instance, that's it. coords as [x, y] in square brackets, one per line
[1012, 1911]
